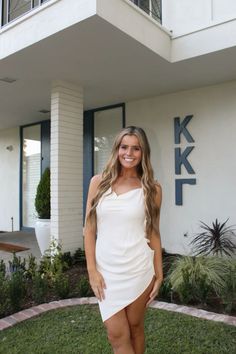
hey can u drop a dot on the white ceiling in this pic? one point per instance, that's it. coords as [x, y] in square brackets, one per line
[111, 66]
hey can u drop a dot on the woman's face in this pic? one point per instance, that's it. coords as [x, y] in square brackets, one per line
[129, 153]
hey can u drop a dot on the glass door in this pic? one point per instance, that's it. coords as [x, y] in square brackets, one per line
[31, 171]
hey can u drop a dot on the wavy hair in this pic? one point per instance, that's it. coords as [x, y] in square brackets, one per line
[145, 173]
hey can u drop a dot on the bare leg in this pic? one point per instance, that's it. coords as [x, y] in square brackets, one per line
[135, 314]
[118, 333]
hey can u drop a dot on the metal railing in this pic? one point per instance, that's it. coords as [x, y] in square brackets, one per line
[13, 9]
[151, 7]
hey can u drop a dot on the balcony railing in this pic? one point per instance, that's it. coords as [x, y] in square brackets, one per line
[151, 7]
[12, 9]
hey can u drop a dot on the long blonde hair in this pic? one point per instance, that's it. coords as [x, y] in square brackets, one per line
[145, 173]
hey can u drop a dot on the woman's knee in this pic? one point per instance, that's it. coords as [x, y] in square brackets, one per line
[118, 336]
[136, 329]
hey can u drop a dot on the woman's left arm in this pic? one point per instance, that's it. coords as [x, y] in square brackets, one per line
[155, 244]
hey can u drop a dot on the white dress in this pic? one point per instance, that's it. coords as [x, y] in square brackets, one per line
[123, 255]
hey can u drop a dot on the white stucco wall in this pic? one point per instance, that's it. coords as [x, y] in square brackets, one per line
[190, 15]
[213, 128]
[9, 179]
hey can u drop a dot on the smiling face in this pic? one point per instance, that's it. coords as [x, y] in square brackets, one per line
[129, 153]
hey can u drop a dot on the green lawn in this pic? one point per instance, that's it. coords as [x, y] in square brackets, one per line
[79, 330]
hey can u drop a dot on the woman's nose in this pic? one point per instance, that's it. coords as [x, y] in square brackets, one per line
[129, 151]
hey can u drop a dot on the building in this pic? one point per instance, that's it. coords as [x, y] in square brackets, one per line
[73, 72]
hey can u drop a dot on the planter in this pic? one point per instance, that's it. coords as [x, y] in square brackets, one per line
[43, 234]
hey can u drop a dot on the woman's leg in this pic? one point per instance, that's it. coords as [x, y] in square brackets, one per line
[118, 333]
[135, 314]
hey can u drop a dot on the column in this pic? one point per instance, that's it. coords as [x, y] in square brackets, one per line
[67, 165]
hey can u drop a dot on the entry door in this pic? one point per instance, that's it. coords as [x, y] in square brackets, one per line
[35, 157]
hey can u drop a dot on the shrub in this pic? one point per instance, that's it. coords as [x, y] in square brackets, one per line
[215, 240]
[42, 199]
[61, 285]
[2, 268]
[16, 290]
[79, 256]
[194, 278]
[39, 288]
[32, 267]
[83, 287]
[228, 293]
[17, 264]
[4, 301]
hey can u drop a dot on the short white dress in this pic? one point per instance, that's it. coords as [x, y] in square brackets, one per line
[123, 255]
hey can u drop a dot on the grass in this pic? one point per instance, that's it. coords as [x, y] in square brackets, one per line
[79, 330]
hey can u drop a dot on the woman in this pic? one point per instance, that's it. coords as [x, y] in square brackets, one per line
[122, 240]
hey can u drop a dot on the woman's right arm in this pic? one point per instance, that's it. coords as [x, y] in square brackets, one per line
[95, 278]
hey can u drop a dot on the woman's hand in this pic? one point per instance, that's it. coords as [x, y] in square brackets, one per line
[97, 284]
[155, 290]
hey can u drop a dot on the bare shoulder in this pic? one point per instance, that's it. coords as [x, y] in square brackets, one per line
[94, 182]
[159, 193]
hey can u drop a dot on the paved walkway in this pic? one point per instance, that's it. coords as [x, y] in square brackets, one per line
[36, 310]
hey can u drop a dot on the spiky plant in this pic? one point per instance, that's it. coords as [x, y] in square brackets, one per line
[194, 278]
[215, 239]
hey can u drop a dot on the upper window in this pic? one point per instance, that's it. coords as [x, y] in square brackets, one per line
[12, 9]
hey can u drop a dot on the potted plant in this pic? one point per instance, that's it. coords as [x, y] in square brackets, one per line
[43, 209]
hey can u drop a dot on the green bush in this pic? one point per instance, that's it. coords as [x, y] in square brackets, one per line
[17, 264]
[228, 293]
[194, 278]
[2, 267]
[32, 267]
[61, 285]
[4, 300]
[16, 290]
[79, 256]
[39, 288]
[42, 199]
[83, 287]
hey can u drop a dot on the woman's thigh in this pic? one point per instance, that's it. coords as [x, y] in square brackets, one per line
[117, 325]
[136, 310]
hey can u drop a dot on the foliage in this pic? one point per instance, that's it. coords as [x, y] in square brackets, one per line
[228, 293]
[17, 264]
[17, 290]
[42, 199]
[39, 288]
[194, 278]
[52, 261]
[215, 239]
[32, 267]
[79, 256]
[4, 300]
[61, 285]
[83, 287]
[67, 258]
[2, 267]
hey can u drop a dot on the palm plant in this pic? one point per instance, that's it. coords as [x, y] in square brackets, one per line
[215, 239]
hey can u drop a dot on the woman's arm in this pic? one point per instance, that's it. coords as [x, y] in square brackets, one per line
[155, 244]
[95, 278]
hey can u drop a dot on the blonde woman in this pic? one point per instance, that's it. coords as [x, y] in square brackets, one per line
[122, 240]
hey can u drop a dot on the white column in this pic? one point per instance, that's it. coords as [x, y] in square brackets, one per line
[67, 165]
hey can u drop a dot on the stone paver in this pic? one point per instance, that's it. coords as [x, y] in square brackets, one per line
[36, 310]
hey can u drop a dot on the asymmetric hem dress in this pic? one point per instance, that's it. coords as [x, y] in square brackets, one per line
[123, 255]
